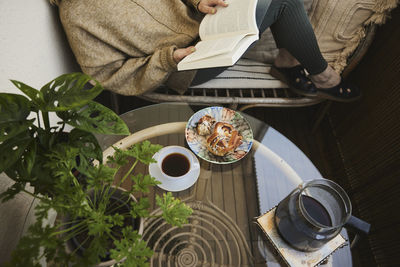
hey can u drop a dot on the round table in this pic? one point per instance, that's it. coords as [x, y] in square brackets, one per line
[225, 198]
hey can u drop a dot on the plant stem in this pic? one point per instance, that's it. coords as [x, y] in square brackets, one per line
[38, 119]
[40, 257]
[62, 127]
[90, 202]
[45, 116]
[111, 236]
[74, 180]
[76, 232]
[33, 195]
[121, 182]
[128, 172]
[65, 223]
[80, 245]
[68, 229]
[119, 206]
[123, 178]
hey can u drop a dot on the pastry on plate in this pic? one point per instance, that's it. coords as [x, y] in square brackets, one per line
[224, 129]
[205, 125]
[224, 139]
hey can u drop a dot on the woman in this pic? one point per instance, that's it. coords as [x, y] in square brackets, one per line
[133, 46]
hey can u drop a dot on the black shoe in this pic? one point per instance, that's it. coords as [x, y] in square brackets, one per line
[343, 92]
[295, 77]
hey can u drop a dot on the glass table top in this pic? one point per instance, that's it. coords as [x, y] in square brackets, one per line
[228, 196]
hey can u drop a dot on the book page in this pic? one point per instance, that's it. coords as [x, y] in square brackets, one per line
[226, 59]
[225, 35]
[205, 49]
[237, 18]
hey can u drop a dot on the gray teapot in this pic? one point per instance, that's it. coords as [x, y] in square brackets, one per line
[314, 213]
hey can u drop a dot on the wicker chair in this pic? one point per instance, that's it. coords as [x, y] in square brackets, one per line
[253, 86]
[250, 84]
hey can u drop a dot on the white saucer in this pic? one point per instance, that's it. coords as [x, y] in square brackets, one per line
[179, 184]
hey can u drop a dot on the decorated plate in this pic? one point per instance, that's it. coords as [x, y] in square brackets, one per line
[198, 143]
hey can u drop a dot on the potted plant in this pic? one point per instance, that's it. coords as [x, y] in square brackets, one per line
[102, 219]
[27, 136]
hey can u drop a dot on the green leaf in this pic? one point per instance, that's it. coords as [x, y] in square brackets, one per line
[41, 177]
[62, 157]
[89, 148]
[99, 225]
[116, 219]
[38, 243]
[51, 173]
[97, 249]
[120, 157]
[11, 192]
[13, 128]
[14, 110]
[35, 95]
[97, 176]
[133, 248]
[14, 107]
[142, 183]
[87, 143]
[42, 209]
[48, 138]
[21, 170]
[12, 149]
[29, 157]
[175, 212]
[69, 91]
[28, 249]
[143, 151]
[95, 118]
[140, 208]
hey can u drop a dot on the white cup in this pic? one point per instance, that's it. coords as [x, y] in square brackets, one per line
[171, 158]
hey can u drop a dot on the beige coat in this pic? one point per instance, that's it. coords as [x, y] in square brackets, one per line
[128, 45]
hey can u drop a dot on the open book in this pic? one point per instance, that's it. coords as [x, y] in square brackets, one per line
[225, 36]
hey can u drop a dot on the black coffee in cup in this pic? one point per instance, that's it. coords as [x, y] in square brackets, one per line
[175, 164]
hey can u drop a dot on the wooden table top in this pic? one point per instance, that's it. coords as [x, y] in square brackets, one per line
[225, 198]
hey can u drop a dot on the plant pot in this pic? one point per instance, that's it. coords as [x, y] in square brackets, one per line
[137, 224]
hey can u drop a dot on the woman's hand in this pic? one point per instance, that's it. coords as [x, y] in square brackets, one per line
[208, 6]
[180, 53]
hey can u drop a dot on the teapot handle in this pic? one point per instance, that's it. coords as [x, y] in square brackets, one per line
[359, 227]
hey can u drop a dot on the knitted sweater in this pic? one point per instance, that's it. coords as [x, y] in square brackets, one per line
[128, 45]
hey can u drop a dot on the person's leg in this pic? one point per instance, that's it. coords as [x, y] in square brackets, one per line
[297, 45]
[296, 39]
[204, 75]
[325, 79]
[286, 67]
[294, 36]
